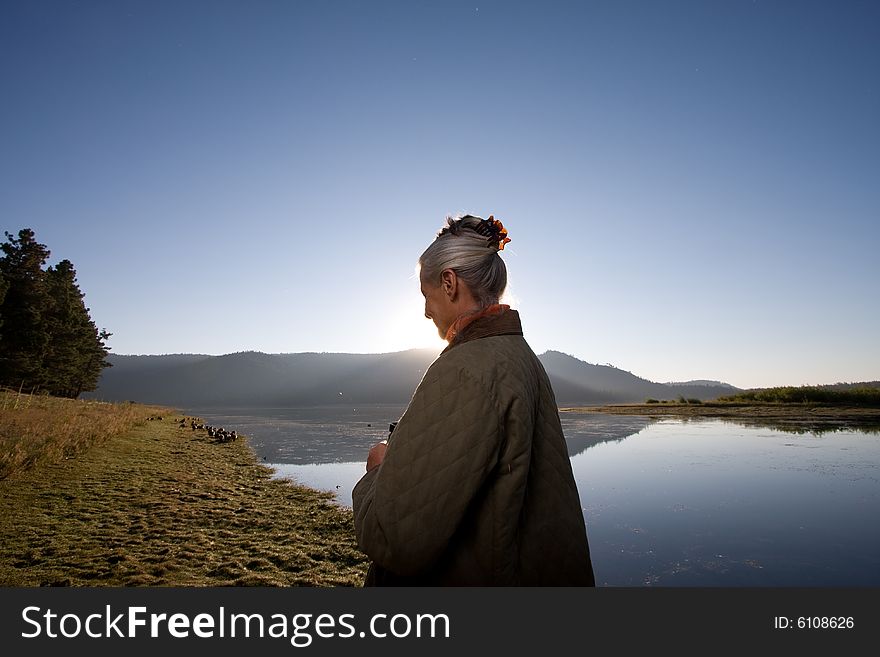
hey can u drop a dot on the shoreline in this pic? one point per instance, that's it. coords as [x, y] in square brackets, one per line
[787, 415]
[162, 505]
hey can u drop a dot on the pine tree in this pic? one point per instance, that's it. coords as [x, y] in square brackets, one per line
[3, 287]
[48, 341]
[95, 361]
[70, 358]
[24, 335]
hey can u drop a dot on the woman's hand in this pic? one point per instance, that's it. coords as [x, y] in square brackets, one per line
[376, 455]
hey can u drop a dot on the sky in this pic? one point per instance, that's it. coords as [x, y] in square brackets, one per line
[691, 189]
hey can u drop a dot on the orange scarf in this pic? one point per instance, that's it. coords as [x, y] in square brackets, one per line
[464, 320]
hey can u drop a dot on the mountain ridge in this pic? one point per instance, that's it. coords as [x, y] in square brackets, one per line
[259, 379]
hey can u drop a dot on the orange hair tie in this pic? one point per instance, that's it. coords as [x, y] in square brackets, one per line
[499, 232]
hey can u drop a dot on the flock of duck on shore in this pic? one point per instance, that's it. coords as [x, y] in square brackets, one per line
[220, 434]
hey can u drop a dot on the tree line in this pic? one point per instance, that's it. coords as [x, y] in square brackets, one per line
[861, 394]
[48, 341]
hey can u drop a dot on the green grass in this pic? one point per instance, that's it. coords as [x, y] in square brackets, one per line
[160, 505]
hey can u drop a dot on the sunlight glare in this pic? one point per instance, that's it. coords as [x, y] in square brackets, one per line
[410, 329]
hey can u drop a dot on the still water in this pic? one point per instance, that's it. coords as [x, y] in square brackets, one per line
[666, 503]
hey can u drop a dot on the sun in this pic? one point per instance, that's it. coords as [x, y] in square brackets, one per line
[410, 329]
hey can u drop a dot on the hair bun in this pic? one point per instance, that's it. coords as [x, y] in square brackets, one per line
[497, 233]
[492, 229]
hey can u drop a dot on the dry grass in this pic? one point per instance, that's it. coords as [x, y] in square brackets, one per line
[40, 429]
[160, 505]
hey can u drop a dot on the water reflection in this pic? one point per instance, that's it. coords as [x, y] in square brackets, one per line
[714, 503]
[303, 436]
[336, 478]
[806, 422]
[585, 431]
[667, 502]
[800, 426]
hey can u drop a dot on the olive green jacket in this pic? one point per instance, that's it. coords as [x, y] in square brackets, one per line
[476, 487]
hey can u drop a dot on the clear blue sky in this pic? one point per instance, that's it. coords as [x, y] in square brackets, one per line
[692, 189]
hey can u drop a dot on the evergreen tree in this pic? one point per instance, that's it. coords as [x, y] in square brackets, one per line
[76, 354]
[3, 287]
[95, 360]
[24, 335]
[48, 341]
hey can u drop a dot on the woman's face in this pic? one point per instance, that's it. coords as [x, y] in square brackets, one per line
[438, 306]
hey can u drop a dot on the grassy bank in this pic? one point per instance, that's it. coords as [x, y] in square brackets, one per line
[160, 505]
[37, 429]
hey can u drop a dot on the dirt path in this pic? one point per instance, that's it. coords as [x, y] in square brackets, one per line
[166, 506]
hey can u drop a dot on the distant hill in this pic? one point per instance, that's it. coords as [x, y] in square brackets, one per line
[699, 382]
[255, 379]
[265, 380]
[578, 382]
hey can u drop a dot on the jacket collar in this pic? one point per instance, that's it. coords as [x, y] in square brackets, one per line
[505, 322]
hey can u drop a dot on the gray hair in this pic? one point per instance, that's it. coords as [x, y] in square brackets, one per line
[463, 246]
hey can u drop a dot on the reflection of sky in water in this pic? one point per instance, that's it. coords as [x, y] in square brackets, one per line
[711, 503]
[338, 478]
[669, 503]
[328, 434]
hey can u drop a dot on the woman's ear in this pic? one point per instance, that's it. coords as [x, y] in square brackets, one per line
[449, 282]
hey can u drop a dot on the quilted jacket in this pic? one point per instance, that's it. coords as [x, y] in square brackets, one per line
[476, 487]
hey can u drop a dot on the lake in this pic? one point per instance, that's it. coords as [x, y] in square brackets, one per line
[666, 502]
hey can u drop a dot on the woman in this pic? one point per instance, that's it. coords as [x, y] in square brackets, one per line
[474, 487]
